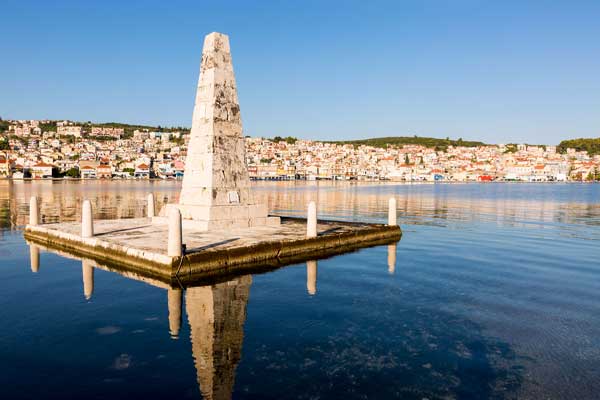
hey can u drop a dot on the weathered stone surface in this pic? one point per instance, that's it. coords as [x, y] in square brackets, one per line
[216, 187]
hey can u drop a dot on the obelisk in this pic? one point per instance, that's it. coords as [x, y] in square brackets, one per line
[216, 187]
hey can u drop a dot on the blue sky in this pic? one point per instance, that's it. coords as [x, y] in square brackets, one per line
[498, 71]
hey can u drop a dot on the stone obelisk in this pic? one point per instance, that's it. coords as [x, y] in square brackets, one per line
[216, 188]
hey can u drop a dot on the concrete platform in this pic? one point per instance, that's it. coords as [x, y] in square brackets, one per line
[140, 246]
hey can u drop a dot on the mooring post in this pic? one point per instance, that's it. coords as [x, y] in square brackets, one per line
[34, 211]
[175, 239]
[392, 220]
[87, 220]
[150, 205]
[311, 220]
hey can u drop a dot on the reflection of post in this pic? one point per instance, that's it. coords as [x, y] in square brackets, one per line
[216, 315]
[311, 277]
[174, 298]
[34, 256]
[88, 278]
[391, 258]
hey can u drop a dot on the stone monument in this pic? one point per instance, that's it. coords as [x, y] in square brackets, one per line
[216, 190]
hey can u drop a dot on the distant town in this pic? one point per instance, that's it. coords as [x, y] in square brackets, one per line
[44, 149]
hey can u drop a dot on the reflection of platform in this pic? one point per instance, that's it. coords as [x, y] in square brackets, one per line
[215, 309]
[141, 245]
[216, 313]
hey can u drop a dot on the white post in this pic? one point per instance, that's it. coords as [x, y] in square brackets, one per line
[87, 220]
[392, 220]
[34, 211]
[311, 220]
[150, 205]
[175, 239]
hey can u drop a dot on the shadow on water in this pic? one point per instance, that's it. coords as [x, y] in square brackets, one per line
[364, 349]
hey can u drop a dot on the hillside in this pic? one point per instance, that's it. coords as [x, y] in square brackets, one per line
[592, 146]
[438, 144]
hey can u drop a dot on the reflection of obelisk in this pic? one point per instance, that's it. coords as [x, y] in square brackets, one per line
[216, 188]
[216, 315]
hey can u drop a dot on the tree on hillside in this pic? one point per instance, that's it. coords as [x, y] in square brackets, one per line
[435, 143]
[3, 125]
[590, 176]
[592, 146]
[73, 172]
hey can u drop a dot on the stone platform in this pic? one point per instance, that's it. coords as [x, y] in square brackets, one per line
[140, 246]
[211, 218]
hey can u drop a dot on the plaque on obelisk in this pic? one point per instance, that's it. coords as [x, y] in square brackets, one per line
[216, 188]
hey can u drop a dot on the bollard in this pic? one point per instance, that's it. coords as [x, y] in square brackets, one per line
[175, 239]
[87, 220]
[174, 299]
[150, 205]
[311, 277]
[311, 220]
[88, 278]
[391, 258]
[34, 211]
[392, 220]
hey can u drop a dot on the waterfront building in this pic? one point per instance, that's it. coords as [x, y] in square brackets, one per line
[41, 170]
[142, 171]
[5, 171]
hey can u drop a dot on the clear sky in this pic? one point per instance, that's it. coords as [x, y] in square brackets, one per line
[498, 71]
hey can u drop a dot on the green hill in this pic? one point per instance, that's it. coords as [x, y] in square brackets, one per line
[438, 144]
[592, 146]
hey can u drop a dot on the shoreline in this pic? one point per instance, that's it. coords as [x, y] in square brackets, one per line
[333, 181]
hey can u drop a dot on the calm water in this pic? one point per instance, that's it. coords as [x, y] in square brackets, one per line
[494, 293]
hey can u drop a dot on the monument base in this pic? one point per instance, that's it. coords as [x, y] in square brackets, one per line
[139, 249]
[205, 218]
